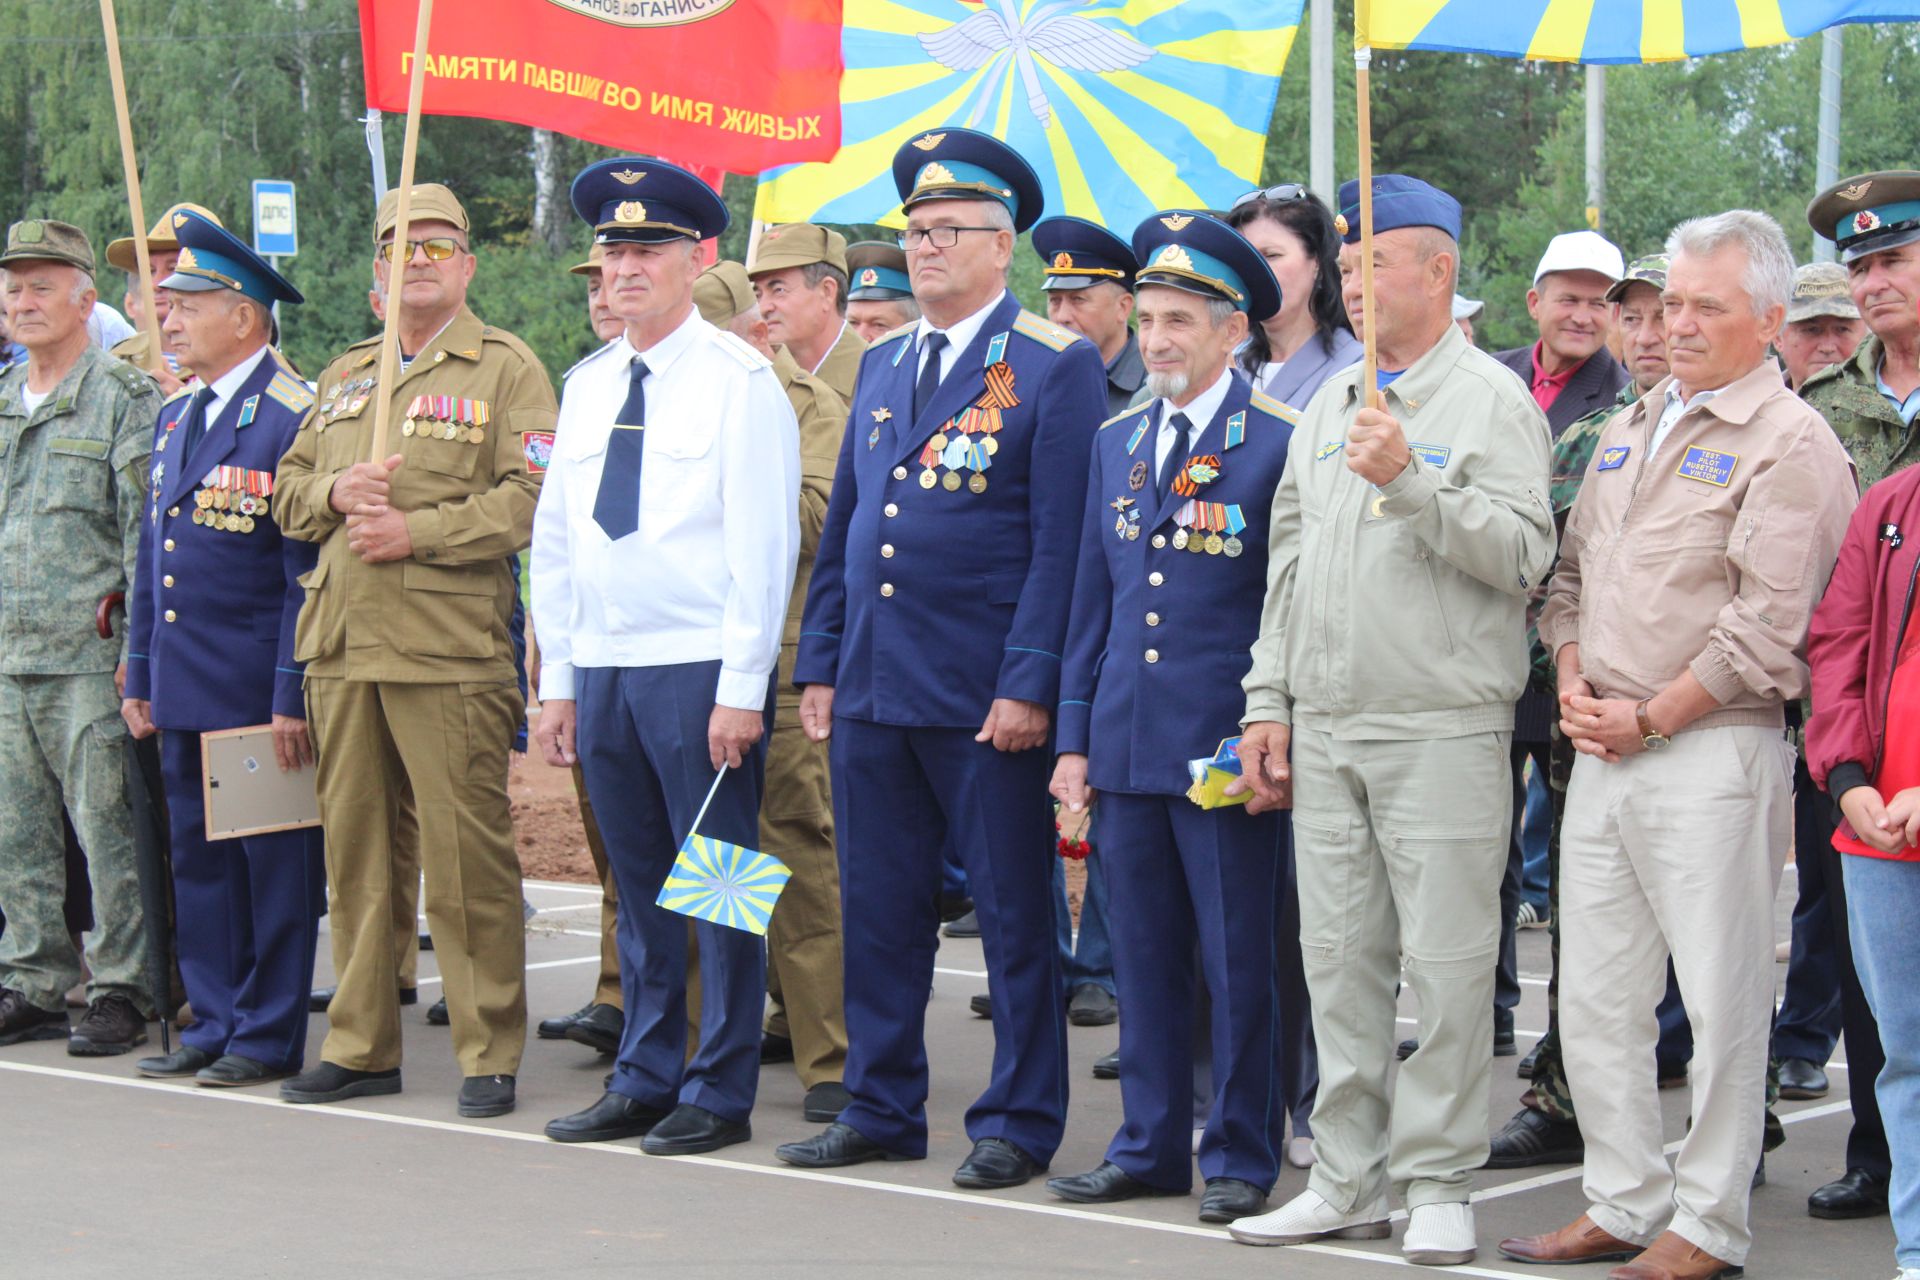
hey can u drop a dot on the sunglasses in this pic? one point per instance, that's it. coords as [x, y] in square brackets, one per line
[1285, 193]
[438, 249]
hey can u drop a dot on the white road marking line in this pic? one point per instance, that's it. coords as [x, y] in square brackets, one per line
[544, 964]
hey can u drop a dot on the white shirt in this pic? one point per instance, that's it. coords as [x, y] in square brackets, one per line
[33, 399]
[224, 386]
[708, 572]
[1670, 414]
[959, 337]
[1199, 412]
[828, 353]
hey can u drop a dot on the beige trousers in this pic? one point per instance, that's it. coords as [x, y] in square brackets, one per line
[1400, 848]
[1673, 852]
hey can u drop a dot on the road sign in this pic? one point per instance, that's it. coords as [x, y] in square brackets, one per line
[274, 226]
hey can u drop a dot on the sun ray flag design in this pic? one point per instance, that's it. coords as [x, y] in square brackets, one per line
[724, 884]
[1611, 30]
[1121, 107]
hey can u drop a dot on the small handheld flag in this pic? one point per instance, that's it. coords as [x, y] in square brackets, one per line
[723, 883]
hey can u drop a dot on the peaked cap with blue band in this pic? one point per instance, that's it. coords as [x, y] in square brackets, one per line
[646, 201]
[877, 272]
[965, 164]
[1398, 201]
[1079, 253]
[1200, 254]
[212, 257]
[1869, 212]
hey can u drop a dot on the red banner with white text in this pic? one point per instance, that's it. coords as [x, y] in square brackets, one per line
[741, 84]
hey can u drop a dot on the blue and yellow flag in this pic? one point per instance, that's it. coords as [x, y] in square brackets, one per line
[1612, 30]
[724, 884]
[1121, 107]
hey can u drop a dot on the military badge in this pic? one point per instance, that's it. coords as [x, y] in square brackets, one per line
[630, 213]
[930, 141]
[934, 174]
[1137, 478]
[1855, 191]
[1613, 459]
[1340, 223]
[537, 448]
[1201, 470]
[1864, 221]
[1176, 221]
[1063, 261]
[869, 278]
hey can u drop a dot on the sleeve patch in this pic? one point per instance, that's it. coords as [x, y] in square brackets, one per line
[537, 446]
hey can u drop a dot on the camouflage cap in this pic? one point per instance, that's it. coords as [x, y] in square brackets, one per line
[798, 244]
[722, 294]
[431, 203]
[161, 239]
[44, 240]
[1651, 269]
[1820, 289]
[595, 257]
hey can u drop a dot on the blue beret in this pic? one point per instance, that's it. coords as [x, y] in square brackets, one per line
[1201, 254]
[212, 257]
[648, 201]
[965, 164]
[1079, 253]
[1398, 201]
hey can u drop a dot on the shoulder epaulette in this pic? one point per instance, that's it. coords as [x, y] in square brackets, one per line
[741, 350]
[184, 392]
[1124, 414]
[1044, 332]
[134, 380]
[1275, 408]
[589, 358]
[890, 335]
[289, 391]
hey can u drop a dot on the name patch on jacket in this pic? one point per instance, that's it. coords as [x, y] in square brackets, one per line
[1709, 465]
[1433, 455]
[1613, 459]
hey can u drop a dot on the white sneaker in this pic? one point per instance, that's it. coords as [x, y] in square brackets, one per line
[1300, 1152]
[1307, 1217]
[1439, 1235]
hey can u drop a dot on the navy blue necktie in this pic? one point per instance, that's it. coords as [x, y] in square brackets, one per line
[1176, 456]
[196, 428]
[616, 508]
[929, 373]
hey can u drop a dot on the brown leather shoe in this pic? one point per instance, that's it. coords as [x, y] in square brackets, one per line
[1674, 1257]
[1578, 1241]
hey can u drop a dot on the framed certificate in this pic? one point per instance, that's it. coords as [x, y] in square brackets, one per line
[246, 794]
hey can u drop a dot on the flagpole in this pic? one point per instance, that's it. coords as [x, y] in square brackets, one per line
[712, 791]
[149, 323]
[1362, 64]
[403, 219]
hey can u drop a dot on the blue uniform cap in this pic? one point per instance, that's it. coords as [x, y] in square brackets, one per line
[646, 201]
[1201, 254]
[877, 272]
[1079, 253]
[965, 164]
[1869, 212]
[1398, 201]
[212, 257]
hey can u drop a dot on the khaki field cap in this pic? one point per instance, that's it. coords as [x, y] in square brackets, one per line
[596, 256]
[431, 203]
[722, 293]
[1820, 289]
[798, 244]
[43, 240]
[159, 240]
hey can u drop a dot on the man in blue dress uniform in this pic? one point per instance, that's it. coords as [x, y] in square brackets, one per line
[210, 646]
[1166, 607]
[930, 652]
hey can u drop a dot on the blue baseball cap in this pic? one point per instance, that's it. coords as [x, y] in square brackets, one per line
[1079, 253]
[1196, 252]
[646, 201]
[212, 257]
[1398, 201]
[965, 164]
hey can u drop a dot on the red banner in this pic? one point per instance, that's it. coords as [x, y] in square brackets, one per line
[742, 84]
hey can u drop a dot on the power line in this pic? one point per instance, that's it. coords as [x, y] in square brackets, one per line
[221, 36]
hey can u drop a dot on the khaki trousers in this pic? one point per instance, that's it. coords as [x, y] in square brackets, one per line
[607, 991]
[803, 938]
[1673, 852]
[447, 744]
[1400, 846]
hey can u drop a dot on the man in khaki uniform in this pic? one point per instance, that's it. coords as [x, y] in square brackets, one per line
[799, 274]
[163, 250]
[410, 671]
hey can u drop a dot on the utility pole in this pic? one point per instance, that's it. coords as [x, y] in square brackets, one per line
[1596, 143]
[1320, 29]
[377, 152]
[1826, 161]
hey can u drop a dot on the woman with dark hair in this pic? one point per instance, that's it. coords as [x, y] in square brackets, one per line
[1309, 339]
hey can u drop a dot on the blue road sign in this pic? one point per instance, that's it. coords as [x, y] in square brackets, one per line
[275, 229]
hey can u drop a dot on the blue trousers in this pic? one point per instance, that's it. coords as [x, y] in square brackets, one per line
[1809, 1021]
[1088, 958]
[1185, 880]
[1883, 910]
[899, 793]
[247, 912]
[642, 743]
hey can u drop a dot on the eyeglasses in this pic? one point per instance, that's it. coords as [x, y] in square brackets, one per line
[439, 248]
[1285, 193]
[942, 237]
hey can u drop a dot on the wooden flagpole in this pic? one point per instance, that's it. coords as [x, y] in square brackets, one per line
[403, 220]
[1362, 65]
[150, 324]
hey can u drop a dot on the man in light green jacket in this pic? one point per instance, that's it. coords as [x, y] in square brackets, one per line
[1405, 538]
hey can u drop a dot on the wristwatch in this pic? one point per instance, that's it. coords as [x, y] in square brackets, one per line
[1650, 738]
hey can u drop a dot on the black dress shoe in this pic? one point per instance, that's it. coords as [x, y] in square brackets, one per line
[1107, 1068]
[437, 1015]
[982, 1006]
[835, 1147]
[556, 1028]
[1227, 1199]
[1857, 1193]
[1406, 1048]
[1092, 1006]
[600, 1030]
[775, 1048]
[953, 906]
[184, 1061]
[331, 1082]
[236, 1071]
[1759, 1174]
[995, 1163]
[409, 995]
[1532, 1137]
[482, 1096]
[1504, 1045]
[319, 998]
[614, 1116]
[1801, 1079]
[967, 926]
[825, 1101]
[1105, 1185]
[689, 1130]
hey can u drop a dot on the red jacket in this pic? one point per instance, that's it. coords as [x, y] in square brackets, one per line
[1857, 631]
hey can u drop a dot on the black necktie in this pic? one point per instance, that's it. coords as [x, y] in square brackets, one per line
[1176, 456]
[929, 373]
[196, 427]
[616, 507]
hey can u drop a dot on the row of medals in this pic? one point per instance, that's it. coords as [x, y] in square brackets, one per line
[1213, 544]
[976, 483]
[220, 509]
[455, 431]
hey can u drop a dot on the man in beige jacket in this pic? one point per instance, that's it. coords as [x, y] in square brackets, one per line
[1702, 537]
[1406, 531]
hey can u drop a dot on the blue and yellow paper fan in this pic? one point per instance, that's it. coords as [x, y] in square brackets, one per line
[724, 884]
